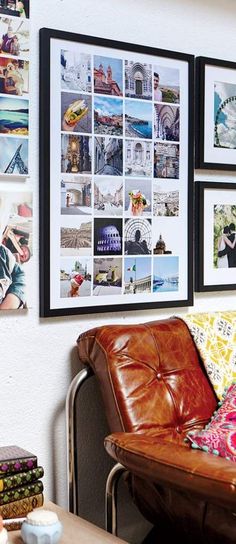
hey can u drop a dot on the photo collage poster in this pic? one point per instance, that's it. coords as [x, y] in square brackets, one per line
[118, 177]
[15, 190]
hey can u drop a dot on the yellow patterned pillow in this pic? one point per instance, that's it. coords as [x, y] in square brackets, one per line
[215, 337]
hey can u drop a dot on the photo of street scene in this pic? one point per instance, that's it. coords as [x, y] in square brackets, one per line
[107, 276]
[165, 274]
[137, 275]
[108, 75]
[108, 116]
[14, 76]
[108, 196]
[14, 116]
[75, 154]
[75, 277]
[76, 71]
[138, 236]
[166, 84]
[138, 158]
[108, 156]
[18, 8]
[165, 200]
[138, 80]
[166, 160]
[14, 160]
[76, 195]
[138, 197]
[76, 240]
[107, 236]
[76, 112]
[138, 119]
[166, 122]
[14, 40]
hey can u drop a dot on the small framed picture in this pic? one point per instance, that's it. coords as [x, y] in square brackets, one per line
[216, 113]
[215, 263]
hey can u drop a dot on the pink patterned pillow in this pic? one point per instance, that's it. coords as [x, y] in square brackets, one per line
[219, 436]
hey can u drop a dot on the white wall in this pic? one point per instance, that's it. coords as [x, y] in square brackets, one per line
[37, 357]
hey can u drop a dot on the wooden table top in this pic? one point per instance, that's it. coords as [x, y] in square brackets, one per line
[75, 530]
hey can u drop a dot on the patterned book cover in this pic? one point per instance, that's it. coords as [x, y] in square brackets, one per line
[16, 459]
[21, 492]
[21, 478]
[21, 507]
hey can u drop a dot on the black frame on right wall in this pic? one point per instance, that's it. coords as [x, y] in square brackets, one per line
[215, 102]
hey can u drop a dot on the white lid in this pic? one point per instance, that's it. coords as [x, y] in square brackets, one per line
[41, 517]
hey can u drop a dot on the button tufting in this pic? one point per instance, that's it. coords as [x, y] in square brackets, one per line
[159, 376]
[178, 430]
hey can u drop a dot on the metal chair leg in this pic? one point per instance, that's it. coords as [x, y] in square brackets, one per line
[111, 498]
[74, 388]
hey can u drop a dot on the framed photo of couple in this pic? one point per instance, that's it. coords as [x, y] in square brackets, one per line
[216, 114]
[215, 232]
[116, 176]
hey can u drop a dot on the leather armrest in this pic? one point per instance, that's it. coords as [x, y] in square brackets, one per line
[176, 465]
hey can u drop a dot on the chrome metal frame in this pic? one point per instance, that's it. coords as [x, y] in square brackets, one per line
[111, 498]
[74, 388]
[113, 476]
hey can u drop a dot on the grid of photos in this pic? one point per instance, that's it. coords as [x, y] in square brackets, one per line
[123, 178]
[16, 210]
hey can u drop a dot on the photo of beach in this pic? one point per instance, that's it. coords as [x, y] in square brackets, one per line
[14, 160]
[108, 116]
[76, 112]
[138, 119]
[14, 116]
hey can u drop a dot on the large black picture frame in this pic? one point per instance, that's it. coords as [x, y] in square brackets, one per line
[169, 170]
[215, 210]
[215, 84]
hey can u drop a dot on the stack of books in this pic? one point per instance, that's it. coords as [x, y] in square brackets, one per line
[21, 489]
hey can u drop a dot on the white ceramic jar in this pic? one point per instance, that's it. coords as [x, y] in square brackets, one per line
[41, 527]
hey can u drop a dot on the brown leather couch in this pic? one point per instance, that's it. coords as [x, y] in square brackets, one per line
[155, 390]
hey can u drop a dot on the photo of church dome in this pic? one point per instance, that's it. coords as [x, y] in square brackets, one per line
[107, 236]
[138, 80]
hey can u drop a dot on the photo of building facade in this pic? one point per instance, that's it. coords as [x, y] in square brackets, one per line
[108, 76]
[138, 80]
[107, 236]
[75, 154]
[108, 156]
[137, 275]
[166, 160]
[138, 158]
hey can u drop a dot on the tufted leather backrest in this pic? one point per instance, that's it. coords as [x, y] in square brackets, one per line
[150, 376]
